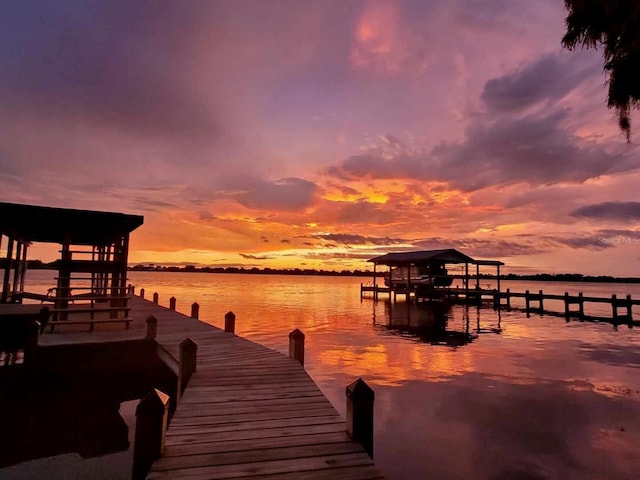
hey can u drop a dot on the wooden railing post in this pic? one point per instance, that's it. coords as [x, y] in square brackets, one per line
[172, 303]
[508, 298]
[155, 297]
[541, 300]
[527, 300]
[187, 362]
[296, 346]
[566, 304]
[360, 398]
[230, 322]
[580, 305]
[142, 293]
[629, 309]
[151, 428]
[195, 310]
[152, 327]
[614, 304]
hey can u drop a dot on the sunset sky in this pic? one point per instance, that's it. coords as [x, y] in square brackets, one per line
[320, 133]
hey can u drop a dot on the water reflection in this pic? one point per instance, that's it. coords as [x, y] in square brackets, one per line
[431, 322]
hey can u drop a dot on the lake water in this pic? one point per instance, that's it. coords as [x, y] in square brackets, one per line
[460, 394]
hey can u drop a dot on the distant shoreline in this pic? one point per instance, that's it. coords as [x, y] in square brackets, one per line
[538, 277]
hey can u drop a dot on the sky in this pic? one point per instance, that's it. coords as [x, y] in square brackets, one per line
[318, 134]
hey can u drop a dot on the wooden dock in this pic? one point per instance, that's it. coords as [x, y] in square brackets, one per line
[621, 308]
[247, 412]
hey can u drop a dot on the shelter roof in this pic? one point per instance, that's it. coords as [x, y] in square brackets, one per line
[448, 255]
[31, 223]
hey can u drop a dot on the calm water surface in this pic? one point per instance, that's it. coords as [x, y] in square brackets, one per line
[460, 394]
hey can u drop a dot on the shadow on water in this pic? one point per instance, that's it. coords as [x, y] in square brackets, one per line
[431, 322]
[68, 401]
[40, 423]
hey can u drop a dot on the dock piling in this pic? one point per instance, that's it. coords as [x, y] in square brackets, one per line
[527, 301]
[230, 322]
[142, 293]
[360, 399]
[541, 300]
[155, 297]
[614, 305]
[195, 310]
[508, 298]
[296, 345]
[187, 362]
[629, 309]
[152, 327]
[172, 303]
[151, 429]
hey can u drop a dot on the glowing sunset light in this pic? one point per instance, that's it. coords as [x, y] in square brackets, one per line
[315, 134]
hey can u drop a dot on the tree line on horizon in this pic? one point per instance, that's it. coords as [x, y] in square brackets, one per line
[540, 277]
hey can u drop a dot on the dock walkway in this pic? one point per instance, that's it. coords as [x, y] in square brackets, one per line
[248, 412]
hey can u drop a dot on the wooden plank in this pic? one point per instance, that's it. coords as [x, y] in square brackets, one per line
[264, 468]
[173, 439]
[224, 417]
[256, 425]
[212, 446]
[255, 455]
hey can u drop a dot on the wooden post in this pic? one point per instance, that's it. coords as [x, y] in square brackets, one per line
[498, 276]
[360, 398]
[152, 327]
[526, 301]
[629, 310]
[566, 304]
[296, 346]
[151, 429]
[195, 310]
[172, 303]
[188, 364]
[580, 305]
[541, 299]
[508, 298]
[142, 293]
[230, 322]
[614, 304]
[155, 297]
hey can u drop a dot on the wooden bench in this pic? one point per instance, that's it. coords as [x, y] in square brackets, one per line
[53, 324]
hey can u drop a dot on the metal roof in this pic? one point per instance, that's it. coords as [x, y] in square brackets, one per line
[448, 255]
[31, 223]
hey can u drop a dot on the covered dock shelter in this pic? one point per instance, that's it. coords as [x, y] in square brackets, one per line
[94, 247]
[426, 270]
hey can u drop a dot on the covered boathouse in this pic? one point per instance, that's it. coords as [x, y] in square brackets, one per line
[92, 268]
[427, 274]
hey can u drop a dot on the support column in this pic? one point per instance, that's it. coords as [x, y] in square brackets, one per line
[7, 272]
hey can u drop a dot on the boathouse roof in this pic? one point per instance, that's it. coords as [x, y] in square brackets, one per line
[448, 255]
[32, 223]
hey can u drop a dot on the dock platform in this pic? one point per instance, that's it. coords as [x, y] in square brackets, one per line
[247, 412]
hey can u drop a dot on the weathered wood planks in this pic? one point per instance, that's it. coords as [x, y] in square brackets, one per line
[249, 412]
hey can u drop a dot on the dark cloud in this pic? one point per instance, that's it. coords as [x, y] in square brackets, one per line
[488, 248]
[505, 145]
[588, 243]
[264, 239]
[616, 211]
[284, 241]
[255, 257]
[354, 239]
[546, 79]
[283, 194]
